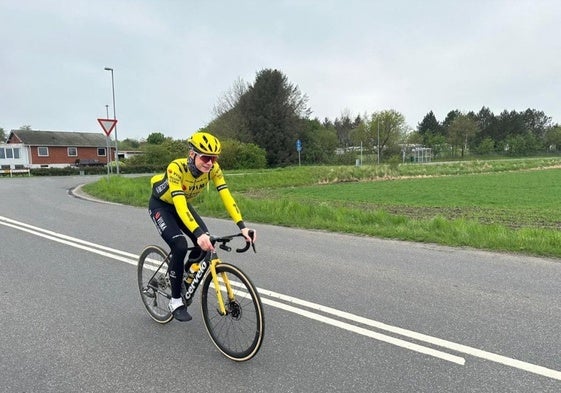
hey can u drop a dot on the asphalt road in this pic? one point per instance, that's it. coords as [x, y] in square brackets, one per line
[343, 313]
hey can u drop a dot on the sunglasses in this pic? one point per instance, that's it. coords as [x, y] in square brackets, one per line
[206, 159]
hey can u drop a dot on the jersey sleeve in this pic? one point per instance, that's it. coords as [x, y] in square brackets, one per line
[175, 174]
[227, 198]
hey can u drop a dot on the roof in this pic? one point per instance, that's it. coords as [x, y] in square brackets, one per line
[58, 138]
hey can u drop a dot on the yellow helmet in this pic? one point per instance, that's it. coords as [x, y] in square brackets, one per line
[205, 143]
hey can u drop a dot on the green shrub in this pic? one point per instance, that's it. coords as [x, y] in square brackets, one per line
[238, 155]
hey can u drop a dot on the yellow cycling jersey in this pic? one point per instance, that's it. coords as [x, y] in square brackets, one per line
[177, 186]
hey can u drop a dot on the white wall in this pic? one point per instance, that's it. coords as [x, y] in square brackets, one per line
[10, 151]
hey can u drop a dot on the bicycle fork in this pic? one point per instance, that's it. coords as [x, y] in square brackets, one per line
[229, 291]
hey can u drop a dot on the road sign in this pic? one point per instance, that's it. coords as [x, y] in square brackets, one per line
[107, 125]
[298, 145]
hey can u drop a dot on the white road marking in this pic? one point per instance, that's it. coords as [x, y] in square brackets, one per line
[535, 369]
[266, 294]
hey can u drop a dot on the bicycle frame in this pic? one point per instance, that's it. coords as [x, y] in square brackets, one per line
[209, 263]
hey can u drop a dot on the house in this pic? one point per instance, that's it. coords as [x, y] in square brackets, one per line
[47, 149]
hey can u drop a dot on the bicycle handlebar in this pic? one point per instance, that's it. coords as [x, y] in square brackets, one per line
[224, 240]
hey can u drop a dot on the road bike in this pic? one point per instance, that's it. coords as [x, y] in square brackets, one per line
[231, 307]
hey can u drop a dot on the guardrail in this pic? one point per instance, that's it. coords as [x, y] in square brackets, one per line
[13, 172]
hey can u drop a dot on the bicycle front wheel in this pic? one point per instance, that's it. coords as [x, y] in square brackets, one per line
[239, 333]
[153, 283]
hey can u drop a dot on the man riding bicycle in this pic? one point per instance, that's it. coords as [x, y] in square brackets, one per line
[171, 210]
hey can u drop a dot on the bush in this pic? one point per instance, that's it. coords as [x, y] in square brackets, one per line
[69, 171]
[238, 155]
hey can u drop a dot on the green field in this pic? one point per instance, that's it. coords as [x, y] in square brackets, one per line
[514, 199]
[508, 205]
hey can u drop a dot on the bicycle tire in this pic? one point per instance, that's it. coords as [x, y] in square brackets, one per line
[155, 295]
[239, 333]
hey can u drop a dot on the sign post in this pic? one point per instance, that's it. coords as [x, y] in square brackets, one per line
[108, 125]
[298, 149]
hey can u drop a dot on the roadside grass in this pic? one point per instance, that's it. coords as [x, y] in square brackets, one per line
[505, 205]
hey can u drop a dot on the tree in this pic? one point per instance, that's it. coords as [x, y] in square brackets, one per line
[449, 119]
[3, 135]
[393, 131]
[553, 138]
[318, 142]
[537, 123]
[486, 146]
[229, 121]
[461, 130]
[155, 138]
[487, 124]
[271, 111]
[429, 124]
[155, 155]
[386, 127]
[344, 127]
[129, 144]
[414, 138]
[231, 98]
[510, 124]
[521, 145]
[437, 143]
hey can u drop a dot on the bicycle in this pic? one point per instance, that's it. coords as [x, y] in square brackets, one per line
[232, 309]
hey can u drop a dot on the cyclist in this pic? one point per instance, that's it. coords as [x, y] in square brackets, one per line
[171, 210]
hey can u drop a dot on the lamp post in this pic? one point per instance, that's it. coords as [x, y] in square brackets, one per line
[114, 118]
[378, 139]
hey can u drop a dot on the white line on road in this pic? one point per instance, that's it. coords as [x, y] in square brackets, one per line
[365, 332]
[540, 370]
[132, 259]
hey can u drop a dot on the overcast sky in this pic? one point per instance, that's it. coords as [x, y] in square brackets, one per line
[173, 60]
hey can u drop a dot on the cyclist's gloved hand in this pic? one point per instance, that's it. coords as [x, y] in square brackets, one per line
[204, 242]
[249, 237]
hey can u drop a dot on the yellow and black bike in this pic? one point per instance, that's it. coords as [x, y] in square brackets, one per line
[231, 307]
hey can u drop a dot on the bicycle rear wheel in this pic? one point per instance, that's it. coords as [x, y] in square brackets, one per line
[239, 333]
[153, 283]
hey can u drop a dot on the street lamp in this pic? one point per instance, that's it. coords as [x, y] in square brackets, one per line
[378, 139]
[114, 118]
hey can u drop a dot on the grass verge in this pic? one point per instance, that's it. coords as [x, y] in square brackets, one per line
[504, 205]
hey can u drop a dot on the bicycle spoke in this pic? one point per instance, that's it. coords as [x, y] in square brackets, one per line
[239, 333]
[153, 283]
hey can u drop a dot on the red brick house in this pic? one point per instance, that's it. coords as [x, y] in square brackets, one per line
[43, 149]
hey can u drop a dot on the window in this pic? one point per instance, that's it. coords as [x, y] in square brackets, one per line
[43, 151]
[101, 151]
[72, 152]
[9, 152]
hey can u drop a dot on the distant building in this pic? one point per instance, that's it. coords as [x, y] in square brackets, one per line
[47, 149]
